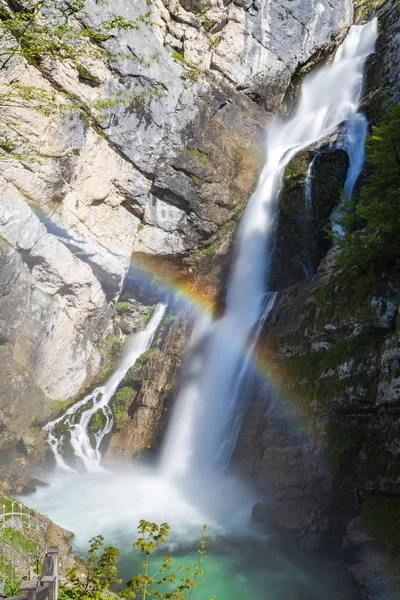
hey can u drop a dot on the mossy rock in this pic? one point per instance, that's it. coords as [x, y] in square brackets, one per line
[301, 243]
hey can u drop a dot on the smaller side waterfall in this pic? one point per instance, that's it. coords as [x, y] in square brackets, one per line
[307, 221]
[98, 400]
[352, 141]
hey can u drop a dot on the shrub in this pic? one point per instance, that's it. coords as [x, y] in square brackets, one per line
[372, 220]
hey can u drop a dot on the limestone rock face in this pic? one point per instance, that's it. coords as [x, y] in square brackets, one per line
[51, 304]
[157, 155]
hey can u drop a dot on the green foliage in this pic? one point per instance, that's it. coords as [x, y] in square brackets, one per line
[55, 29]
[96, 422]
[372, 220]
[146, 314]
[178, 55]
[120, 404]
[121, 307]
[143, 357]
[147, 586]
[170, 317]
[113, 346]
[100, 572]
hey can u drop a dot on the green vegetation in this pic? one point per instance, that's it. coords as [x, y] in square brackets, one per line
[113, 347]
[146, 314]
[120, 404]
[170, 317]
[372, 219]
[121, 307]
[101, 572]
[19, 545]
[201, 156]
[97, 421]
[143, 357]
[178, 55]
[227, 228]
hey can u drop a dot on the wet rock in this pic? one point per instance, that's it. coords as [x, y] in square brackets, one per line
[152, 381]
[301, 241]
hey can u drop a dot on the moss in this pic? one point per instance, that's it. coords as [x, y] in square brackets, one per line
[170, 317]
[340, 443]
[380, 516]
[120, 404]
[86, 75]
[179, 56]
[121, 307]
[97, 422]
[225, 230]
[197, 154]
[143, 357]
[112, 347]
[146, 314]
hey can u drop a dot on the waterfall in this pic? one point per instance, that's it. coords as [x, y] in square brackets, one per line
[329, 97]
[89, 455]
[352, 141]
[307, 221]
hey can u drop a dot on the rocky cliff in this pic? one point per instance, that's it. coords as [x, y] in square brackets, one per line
[321, 436]
[165, 173]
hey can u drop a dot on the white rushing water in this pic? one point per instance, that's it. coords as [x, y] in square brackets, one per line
[307, 221]
[329, 97]
[352, 140]
[185, 489]
[89, 456]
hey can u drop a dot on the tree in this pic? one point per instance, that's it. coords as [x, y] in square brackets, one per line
[98, 571]
[372, 220]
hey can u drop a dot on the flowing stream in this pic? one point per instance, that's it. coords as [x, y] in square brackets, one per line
[307, 221]
[329, 97]
[190, 485]
[89, 455]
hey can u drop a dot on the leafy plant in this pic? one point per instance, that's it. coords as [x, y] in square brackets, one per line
[99, 571]
[144, 585]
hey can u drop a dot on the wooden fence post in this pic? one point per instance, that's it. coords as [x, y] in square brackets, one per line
[29, 589]
[49, 576]
[49, 581]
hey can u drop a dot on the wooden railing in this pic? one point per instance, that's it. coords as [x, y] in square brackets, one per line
[44, 589]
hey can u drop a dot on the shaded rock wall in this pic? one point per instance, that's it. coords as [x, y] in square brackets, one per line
[301, 239]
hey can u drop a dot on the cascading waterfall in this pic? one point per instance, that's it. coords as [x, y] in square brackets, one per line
[307, 221]
[185, 490]
[329, 97]
[352, 141]
[98, 400]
